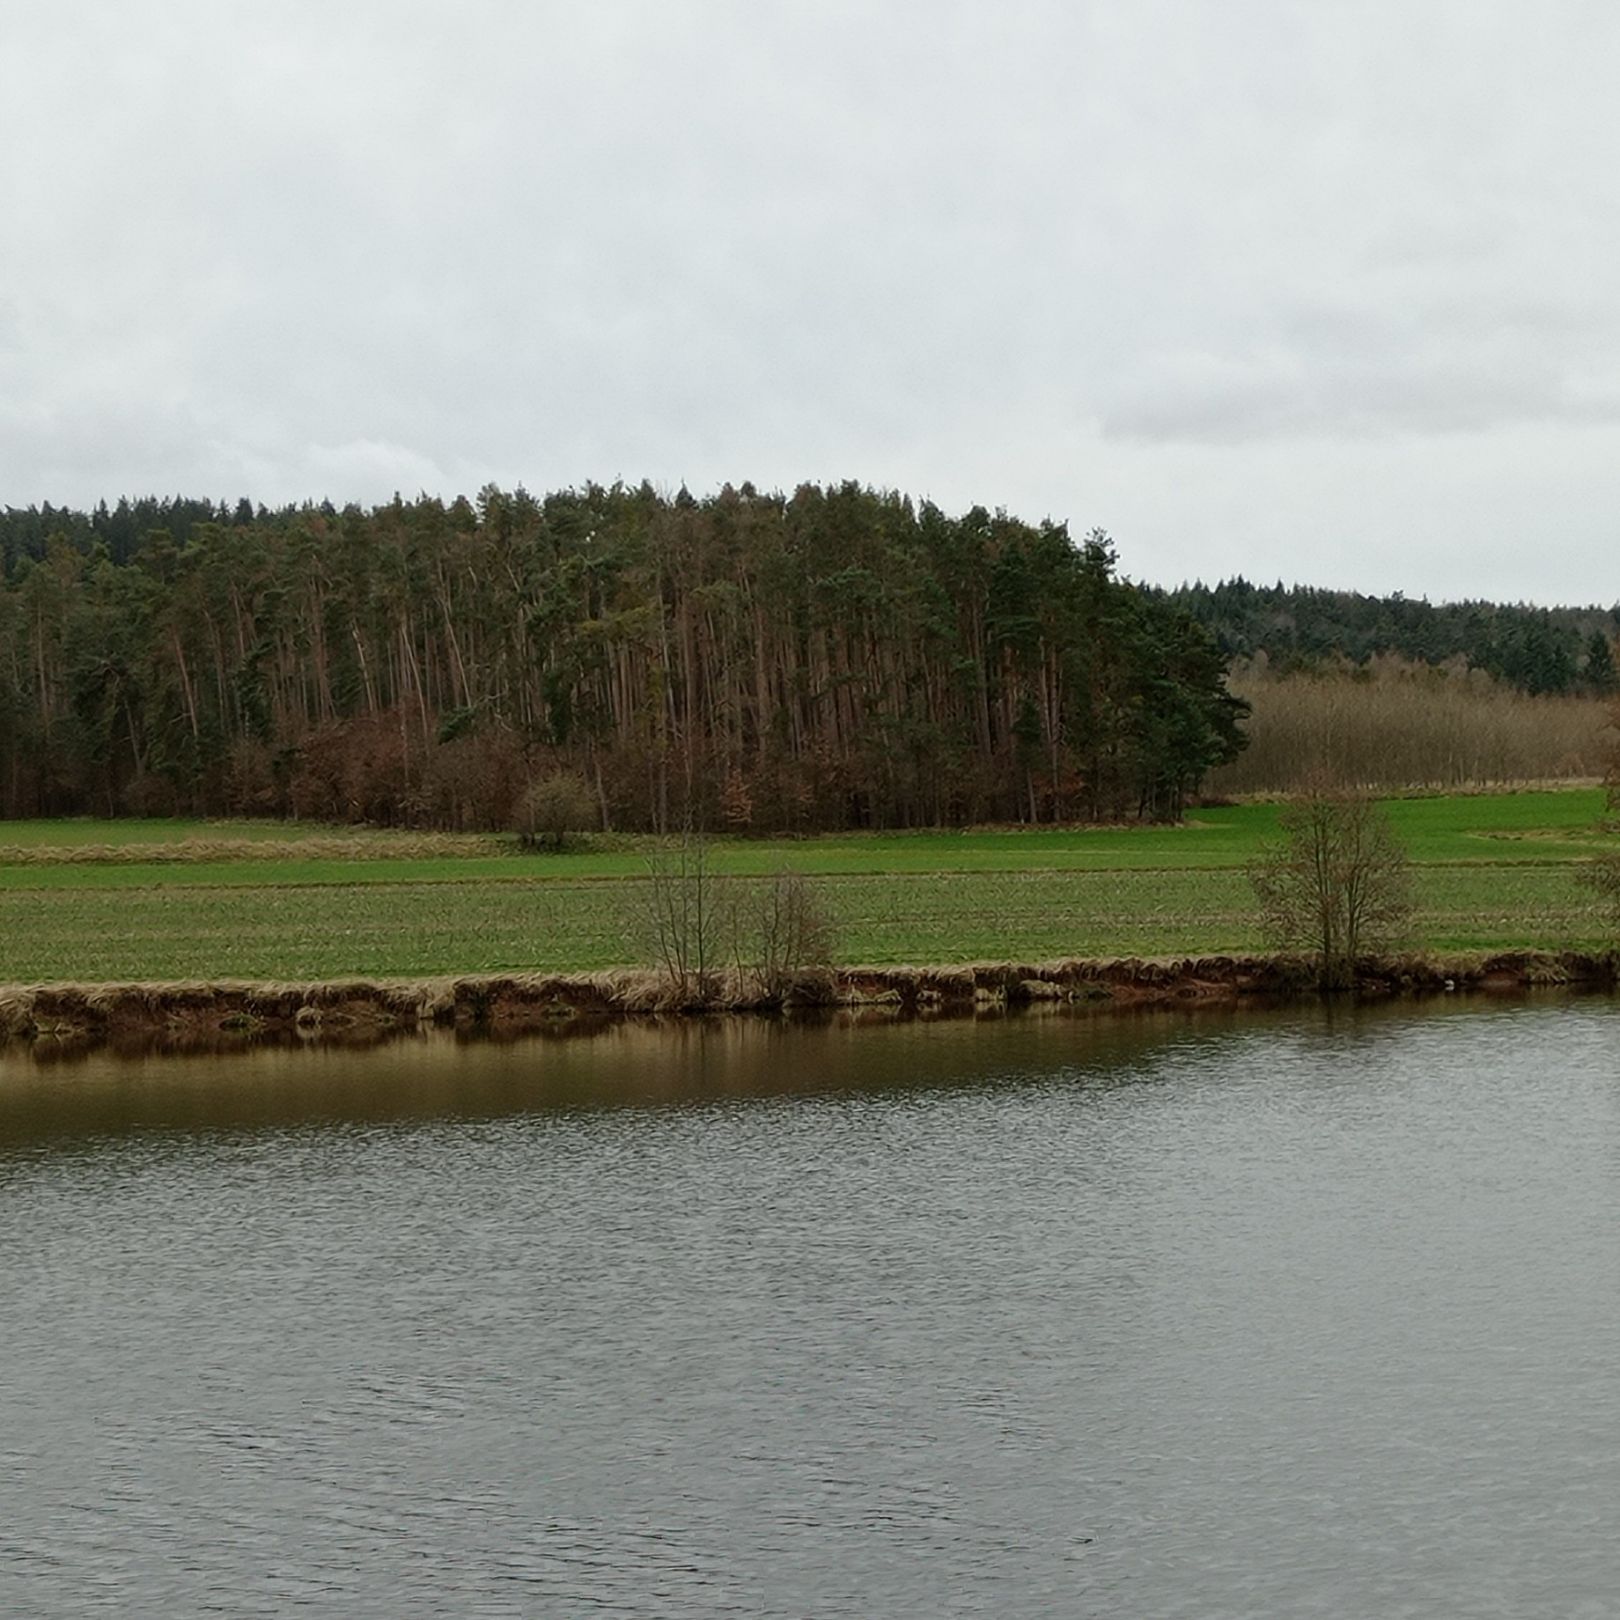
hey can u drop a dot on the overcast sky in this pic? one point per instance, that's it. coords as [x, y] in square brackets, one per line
[1327, 292]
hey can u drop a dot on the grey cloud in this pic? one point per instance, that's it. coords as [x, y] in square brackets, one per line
[1231, 401]
[1108, 263]
[1416, 363]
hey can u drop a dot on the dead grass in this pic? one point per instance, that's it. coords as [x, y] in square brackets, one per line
[187, 851]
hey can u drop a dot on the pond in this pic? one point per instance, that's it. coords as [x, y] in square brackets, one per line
[1301, 1313]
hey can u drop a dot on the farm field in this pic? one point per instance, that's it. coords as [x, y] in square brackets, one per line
[190, 900]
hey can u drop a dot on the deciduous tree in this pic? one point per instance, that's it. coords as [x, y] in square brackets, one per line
[1337, 884]
[555, 807]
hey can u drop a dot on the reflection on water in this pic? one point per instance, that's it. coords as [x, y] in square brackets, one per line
[579, 1063]
[1173, 1315]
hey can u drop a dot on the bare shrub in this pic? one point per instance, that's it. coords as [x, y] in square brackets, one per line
[1337, 885]
[737, 801]
[714, 940]
[147, 794]
[553, 808]
[781, 936]
[676, 919]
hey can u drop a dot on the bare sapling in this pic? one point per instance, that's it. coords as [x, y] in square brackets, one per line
[1337, 886]
[677, 919]
[715, 940]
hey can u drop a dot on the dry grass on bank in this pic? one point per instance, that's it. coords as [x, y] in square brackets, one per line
[62, 1019]
[1393, 724]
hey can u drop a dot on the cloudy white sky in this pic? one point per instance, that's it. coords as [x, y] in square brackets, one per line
[1316, 291]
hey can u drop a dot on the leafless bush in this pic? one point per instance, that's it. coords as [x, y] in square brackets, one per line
[677, 919]
[718, 940]
[1337, 885]
[354, 770]
[251, 788]
[780, 934]
[146, 794]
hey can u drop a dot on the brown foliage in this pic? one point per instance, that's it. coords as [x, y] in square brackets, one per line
[1392, 723]
[354, 770]
[737, 801]
[473, 784]
[552, 808]
[250, 781]
[147, 794]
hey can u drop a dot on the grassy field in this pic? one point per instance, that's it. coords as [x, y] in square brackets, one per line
[188, 900]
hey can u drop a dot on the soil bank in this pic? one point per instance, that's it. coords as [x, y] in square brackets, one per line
[362, 1011]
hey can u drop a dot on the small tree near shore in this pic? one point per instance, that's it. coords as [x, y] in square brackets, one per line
[1338, 884]
[677, 918]
[1602, 875]
[715, 940]
[781, 933]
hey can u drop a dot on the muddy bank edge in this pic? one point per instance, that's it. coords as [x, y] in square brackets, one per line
[356, 1009]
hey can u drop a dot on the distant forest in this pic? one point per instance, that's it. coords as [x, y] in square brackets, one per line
[1537, 650]
[839, 657]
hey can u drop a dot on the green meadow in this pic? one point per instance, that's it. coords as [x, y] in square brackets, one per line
[168, 900]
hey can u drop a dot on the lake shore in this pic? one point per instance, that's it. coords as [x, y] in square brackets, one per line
[225, 1014]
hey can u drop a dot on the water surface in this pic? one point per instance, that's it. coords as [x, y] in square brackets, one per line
[1302, 1314]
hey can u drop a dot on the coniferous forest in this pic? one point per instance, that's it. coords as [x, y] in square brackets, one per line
[1538, 650]
[837, 658]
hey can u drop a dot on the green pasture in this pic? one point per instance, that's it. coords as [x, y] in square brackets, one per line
[1506, 828]
[1493, 872]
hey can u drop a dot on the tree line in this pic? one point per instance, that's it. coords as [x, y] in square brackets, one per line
[837, 657]
[1394, 722]
[1537, 650]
